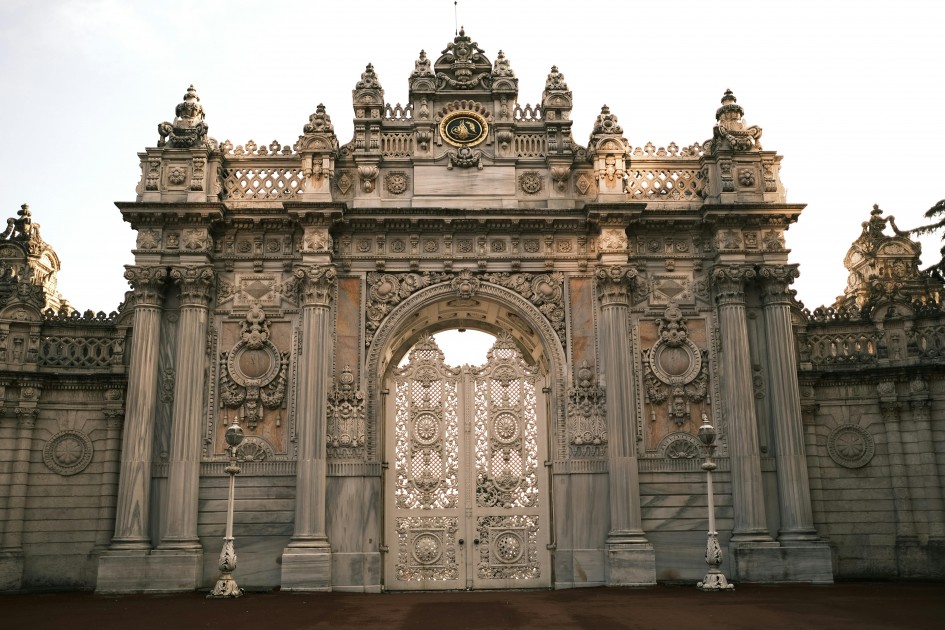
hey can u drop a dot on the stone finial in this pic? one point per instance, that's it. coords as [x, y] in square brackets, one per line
[463, 65]
[189, 129]
[731, 132]
[606, 123]
[422, 66]
[319, 122]
[555, 81]
[369, 80]
[502, 68]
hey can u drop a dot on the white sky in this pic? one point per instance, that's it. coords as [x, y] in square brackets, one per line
[850, 94]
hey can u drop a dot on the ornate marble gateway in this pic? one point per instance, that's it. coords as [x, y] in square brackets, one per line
[632, 290]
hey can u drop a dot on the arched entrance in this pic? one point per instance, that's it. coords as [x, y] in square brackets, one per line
[467, 501]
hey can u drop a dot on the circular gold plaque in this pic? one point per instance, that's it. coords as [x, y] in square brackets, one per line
[463, 128]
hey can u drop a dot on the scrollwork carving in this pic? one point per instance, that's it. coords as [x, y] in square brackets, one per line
[346, 418]
[546, 291]
[587, 419]
[675, 368]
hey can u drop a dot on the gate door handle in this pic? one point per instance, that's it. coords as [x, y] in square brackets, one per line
[463, 542]
[475, 541]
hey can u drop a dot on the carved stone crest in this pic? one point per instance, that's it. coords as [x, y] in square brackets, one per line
[674, 368]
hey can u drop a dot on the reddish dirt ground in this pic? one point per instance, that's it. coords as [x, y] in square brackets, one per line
[860, 606]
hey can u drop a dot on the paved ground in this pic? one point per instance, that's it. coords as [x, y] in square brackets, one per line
[860, 606]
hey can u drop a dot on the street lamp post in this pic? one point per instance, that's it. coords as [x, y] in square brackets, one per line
[226, 585]
[714, 579]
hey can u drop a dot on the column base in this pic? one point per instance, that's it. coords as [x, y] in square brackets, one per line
[631, 564]
[11, 570]
[771, 562]
[306, 569]
[158, 571]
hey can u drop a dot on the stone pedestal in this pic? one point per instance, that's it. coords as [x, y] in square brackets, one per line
[770, 562]
[11, 570]
[632, 564]
[156, 572]
[306, 569]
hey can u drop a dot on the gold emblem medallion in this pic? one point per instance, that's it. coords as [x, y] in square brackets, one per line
[464, 128]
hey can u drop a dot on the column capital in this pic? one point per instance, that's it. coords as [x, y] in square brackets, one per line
[316, 284]
[147, 284]
[195, 283]
[729, 281]
[26, 416]
[776, 281]
[614, 284]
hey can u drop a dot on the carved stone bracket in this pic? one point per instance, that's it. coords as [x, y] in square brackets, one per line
[614, 284]
[195, 283]
[147, 284]
[316, 285]
[730, 282]
[776, 282]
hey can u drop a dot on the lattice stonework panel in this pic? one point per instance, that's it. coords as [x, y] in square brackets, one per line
[506, 432]
[426, 432]
[261, 183]
[508, 547]
[426, 548]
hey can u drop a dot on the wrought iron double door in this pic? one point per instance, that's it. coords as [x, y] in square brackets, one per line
[466, 486]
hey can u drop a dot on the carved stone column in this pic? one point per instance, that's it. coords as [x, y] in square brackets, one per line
[125, 566]
[190, 367]
[11, 551]
[804, 555]
[797, 520]
[923, 467]
[631, 559]
[909, 559]
[134, 482]
[306, 562]
[738, 405]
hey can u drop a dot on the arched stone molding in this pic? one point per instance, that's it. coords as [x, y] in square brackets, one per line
[380, 353]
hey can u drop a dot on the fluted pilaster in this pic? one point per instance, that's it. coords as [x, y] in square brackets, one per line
[134, 484]
[317, 288]
[190, 366]
[784, 400]
[19, 478]
[738, 404]
[613, 285]
[898, 472]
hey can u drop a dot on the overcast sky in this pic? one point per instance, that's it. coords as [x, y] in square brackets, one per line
[849, 93]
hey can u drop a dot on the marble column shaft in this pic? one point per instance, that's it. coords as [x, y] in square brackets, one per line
[312, 388]
[626, 524]
[797, 519]
[134, 481]
[924, 477]
[898, 472]
[738, 404]
[19, 480]
[190, 366]
[106, 504]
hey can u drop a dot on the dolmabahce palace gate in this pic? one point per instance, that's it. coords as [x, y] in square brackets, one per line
[632, 291]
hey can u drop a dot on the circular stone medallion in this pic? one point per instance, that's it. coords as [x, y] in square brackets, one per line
[426, 548]
[464, 128]
[850, 446]
[508, 547]
[68, 452]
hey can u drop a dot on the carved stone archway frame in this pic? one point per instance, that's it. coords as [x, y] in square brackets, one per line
[379, 354]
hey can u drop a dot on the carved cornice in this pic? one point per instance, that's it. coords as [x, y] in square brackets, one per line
[147, 284]
[730, 282]
[195, 283]
[316, 284]
[614, 284]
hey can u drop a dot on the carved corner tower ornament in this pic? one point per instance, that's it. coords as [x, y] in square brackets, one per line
[189, 129]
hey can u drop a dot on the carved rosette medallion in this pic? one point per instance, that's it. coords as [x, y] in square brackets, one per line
[68, 453]
[396, 183]
[253, 373]
[674, 368]
[850, 446]
[531, 182]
